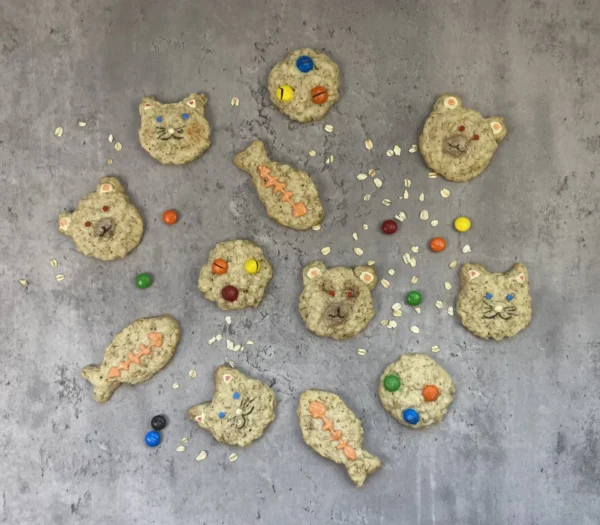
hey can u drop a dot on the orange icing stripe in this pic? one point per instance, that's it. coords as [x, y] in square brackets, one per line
[317, 411]
[299, 209]
[156, 341]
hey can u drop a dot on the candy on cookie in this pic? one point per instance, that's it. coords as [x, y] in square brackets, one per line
[136, 353]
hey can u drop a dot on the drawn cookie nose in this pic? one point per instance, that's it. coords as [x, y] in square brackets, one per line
[498, 308]
[456, 145]
[171, 131]
[238, 412]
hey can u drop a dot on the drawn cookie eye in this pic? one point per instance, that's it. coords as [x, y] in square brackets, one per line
[510, 297]
[221, 415]
[185, 116]
[105, 208]
[88, 224]
[236, 395]
[461, 128]
[331, 292]
[159, 119]
[475, 137]
[488, 296]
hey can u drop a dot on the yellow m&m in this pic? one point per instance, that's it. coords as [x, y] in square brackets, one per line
[462, 224]
[285, 93]
[252, 266]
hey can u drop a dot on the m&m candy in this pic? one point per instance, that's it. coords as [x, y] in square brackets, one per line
[319, 95]
[229, 293]
[388, 227]
[462, 224]
[143, 280]
[152, 438]
[391, 383]
[411, 416]
[430, 393]
[170, 217]
[158, 422]
[285, 93]
[413, 298]
[437, 244]
[219, 266]
[252, 266]
[304, 63]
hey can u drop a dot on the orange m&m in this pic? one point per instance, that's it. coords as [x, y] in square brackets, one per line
[437, 244]
[319, 95]
[170, 217]
[219, 266]
[430, 392]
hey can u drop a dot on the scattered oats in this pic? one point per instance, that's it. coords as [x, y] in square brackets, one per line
[414, 329]
[365, 226]
[82, 124]
[377, 182]
[397, 313]
[233, 457]
[385, 283]
[367, 197]
[386, 202]
[370, 263]
[392, 324]
[219, 337]
[201, 456]
[413, 262]
[326, 250]
[60, 277]
[180, 448]
[418, 309]
[175, 386]
[361, 176]
[413, 149]
[439, 304]
[229, 344]
[235, 101]
[447, 285]
[316, 227]
[445, 193]
[405, 195]
[407, 183]
[312, 153]
[328, 128]
[192, 373]
[369, 144]
[109, 161]
[231, 363]
[397, 150]
[23, 282]
[432, 175]
[452, 264]
[361, 351]
[390, 152]
[401, 216]
[250, 343]
[237, 348]
[397, 306]
[466, 249]
[414, 279]
[118, 146]
[435, 222]
[450, 311]
[110, 138]
[385, 322]
[184, 440]
[329, 160]
[372, 172]
[424, 215]
[228, 319]
[391, 271]
[406, 258]
[415, 249]
[58, 132]
[435, 349]
[53, 263]
[212, 340]
[355, 236]
[358, 251]
[422, 197]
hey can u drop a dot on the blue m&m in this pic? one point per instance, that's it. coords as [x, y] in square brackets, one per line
[305, 63]
[411, 416]
[153, 438]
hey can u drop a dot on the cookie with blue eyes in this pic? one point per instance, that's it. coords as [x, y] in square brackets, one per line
[175, 133]
[240, 411]
[416, 390]
[494, 305]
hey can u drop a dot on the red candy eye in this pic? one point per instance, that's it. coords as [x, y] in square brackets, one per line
[461, 128]
[88, 224]
[332, 293]
[105, 208]
[475, 137]
[350, 294]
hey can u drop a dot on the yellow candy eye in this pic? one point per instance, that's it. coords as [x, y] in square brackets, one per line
[252, 266]
[285, 93]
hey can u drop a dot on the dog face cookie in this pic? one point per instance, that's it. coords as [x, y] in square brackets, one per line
[458, 143]
[289, 195]
[240, 410]
[494, 305]
[304, 85]
[174, 133]
[332, 430]
[336, 302]
[134, 356]
[236, 275]
[416, 390]
[105, 224]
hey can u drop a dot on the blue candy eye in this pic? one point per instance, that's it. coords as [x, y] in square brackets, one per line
[159, 119]
[185, 116]
[510, 297]
[488, 296]
[236, 395]
[221, 415]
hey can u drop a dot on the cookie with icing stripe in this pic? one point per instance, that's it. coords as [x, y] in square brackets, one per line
[457, 142]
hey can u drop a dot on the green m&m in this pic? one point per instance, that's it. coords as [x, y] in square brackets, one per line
[143, 280]
[391, 383]
[413, 298]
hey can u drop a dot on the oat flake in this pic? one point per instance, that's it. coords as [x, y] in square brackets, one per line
[328, 128]
[391, 271]
[385, 283]
[367, 197]
[233, 457]
[60, 277]
[413, 149]
[397, 150]
[377, 182]
[386, 202]
[58, 132]
[82, 124]
[392, 324]
[445, 193]
[415, 249]
[109, 161]
[219, 337]
[435, 222]
[439, 304]
[414, 329]
[361, 351]
[235, 101]
[180, 448]
[424, 215]
[452, 264]
[201, 456]
[450, 311]
[228, 319]
[385, 322]
[418, 309]
[312, 153]
[435, 349]
[184, 440]
[405, 195]
[361, 176]
[365, 226]
[397, 313]
[447, 285]
[192, 373]
[414, 279]
[401, 216]
[369, 144]
[397, 306]
[175, 386]
[355, 236]
[212, 340]
[370, 263]
[422, 197]
[229, 344]
[326, 250]
[358, 251]
[407, 183]
[372, 172]
[466, 249]
[118, 146]
[432, 175]
[250, 343]
[316, 227]
[110, 138]
[23, 282]
[390, 152]
[53, 263]
[237, 348]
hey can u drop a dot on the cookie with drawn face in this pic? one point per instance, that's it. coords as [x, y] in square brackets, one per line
[416, 390]
[174, 133]
[457, 142]
[236, 275]
[105, 224]
[240, 411]
[304, 85]
[494, 305]
[336, 302]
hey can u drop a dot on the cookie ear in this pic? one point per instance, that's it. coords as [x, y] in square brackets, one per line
[447, 103]
[519, 273]
[367, 275]
[313, 271]
[109, 185]
[199, 413]
[468, 272]
[64, 222]
[195, 100]
[147, 104]
[498, 127]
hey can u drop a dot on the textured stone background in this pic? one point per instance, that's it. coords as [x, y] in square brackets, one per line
[520, 444]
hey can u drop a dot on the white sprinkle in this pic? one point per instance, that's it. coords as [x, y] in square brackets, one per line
[405, 195]
[358, 251]
[414, 329]
[422, 197]
[192, 373]
[439, 304]
[312, 153]
[435, 349]
[414, 279]
[219, 337]
[175, 386]
[110, 138]
[466, 249]
[407, 183]
[370, 263]
[60, 277]
[390, 152]
[397, 306]
[361, 351]
[316, 227]
[180, 448]
[367, 197]
[326, 250]
[228, 319]
[250, 343]
[415, 249]
[450, 311]
[233, 457]
[445, 193]
[212, 340]
[452, 264]
[82, 124]
[391, 271]
[392, 324]
[365, 226]
[328, 128]
[53, 263]
[424, 215]
[397, 150]
[229, 344]
[386, 202]
[235, 101]
[355, 236]
[118, 146]
[401, 216]
[447, 285]
[361, 176]
[23, 282]
[369, 144]
[385, 283]
[418, 309]
[58, 132]
[384, 322]
[432, 175]
[201, 456]
[377, 182]
[435, 222]
[372, 172]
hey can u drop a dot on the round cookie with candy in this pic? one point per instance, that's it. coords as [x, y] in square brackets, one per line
[236, 275]
[416, 390]
[304, 85]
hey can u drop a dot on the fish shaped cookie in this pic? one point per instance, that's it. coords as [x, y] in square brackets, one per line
[136, 353]
[289, 195]
[334, 432]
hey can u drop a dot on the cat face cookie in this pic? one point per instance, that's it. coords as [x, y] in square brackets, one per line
[240, 411]
[494, 305]
[236, 275]
[416, 390]
[134, 356]
[332, 430]
[336, 302]
[174, 133]
[457, 142]
[304, 85]
[105, 224]
[289, 195]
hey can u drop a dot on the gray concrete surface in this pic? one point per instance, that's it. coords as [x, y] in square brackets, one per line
[520, 444]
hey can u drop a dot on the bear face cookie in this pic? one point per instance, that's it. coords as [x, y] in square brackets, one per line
[236, 275]
[457, 142]
[134, 356]
[174, 133]
[240, 411]
[105, 224]
[494, 305]
[416, 390]
[289, 195]
[332, 430]
[304, 85]
[336, 302]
